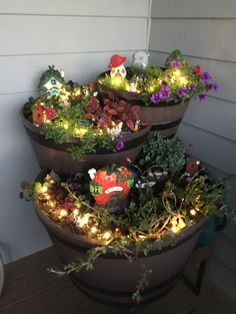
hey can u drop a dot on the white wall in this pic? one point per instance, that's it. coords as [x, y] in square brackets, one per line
[204, 31]
[77, 35]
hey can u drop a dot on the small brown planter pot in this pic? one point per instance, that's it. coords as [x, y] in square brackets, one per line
[56, 157]
[114, 278]
[163, 117]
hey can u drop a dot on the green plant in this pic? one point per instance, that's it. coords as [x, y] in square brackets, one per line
[166, 154]
[177, 81]
[77, 118]
[149, 222]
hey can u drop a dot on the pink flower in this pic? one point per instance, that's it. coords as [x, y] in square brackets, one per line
[50, 113]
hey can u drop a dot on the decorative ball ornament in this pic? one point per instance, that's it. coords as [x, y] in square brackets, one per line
[110, 186]
[51, 82]
[140, 58]
[117, 66]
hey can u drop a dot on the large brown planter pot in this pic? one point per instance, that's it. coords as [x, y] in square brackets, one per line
[56, 157]
[113, 278]
[163, 117]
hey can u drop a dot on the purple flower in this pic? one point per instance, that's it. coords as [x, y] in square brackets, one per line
[164, 92]
[163, 84]
[101, 121]
[155, 98]
[120, 145]
[202, 97]
[189, 89]
[180, 92]
[205, 77]
[208, 87]
[175, 63]
[215, 87]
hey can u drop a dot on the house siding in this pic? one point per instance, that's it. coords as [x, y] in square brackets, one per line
[80, 37]
[204, 31]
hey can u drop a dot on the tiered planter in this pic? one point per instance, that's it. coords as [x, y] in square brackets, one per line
[56, 157]
[163, 117]
[113, 278]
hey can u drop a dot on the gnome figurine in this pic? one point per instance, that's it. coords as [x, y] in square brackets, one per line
[117, 66]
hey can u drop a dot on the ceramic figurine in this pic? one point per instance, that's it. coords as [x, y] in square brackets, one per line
[110, 186]
[51, 82]
[117, 66]
[140, 58]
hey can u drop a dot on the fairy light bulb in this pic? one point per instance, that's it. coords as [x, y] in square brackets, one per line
[78, 92]
[183, 80]
[107, 235]
[177, 73]
[193, 212]
[174, 229]
[94, 229]
[100, 132]
[51, 204]
[141, 237]
[63, 213]
[117, 230]
[84, 220]
[80, 131]
[66, 126]
[75, 212]
[44, 189]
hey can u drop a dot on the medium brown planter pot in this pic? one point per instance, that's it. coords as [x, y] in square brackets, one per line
[163, 117]
[113, 278]
[56, 157]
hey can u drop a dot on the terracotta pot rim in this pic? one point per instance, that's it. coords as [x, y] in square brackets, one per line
[132, 96]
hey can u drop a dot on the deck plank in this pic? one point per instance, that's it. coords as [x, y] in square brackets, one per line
[30, 264]
[62, 298]
[29, 289]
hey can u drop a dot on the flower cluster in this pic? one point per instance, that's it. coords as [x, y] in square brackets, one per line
[77, 115]
[175, 82]
[43, 115]
[181, 82]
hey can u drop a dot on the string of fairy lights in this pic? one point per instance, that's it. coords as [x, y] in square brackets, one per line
[86, 224]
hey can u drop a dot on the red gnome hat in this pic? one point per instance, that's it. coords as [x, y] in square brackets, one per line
[116, 61]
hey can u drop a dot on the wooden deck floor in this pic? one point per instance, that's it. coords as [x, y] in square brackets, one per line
[29, 289]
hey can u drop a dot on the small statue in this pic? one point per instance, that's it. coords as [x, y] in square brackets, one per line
[110, 186]
[140, 58]
[117, 66]
[51, 82]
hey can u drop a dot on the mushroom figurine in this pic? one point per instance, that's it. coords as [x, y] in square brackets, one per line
[117, 66]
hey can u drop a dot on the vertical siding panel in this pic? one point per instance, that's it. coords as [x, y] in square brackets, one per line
[79, 36]
[199, 29]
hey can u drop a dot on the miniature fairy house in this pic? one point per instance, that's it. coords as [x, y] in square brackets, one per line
[51, 82]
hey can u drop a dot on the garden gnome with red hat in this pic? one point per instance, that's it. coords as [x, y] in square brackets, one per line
[117, 66]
